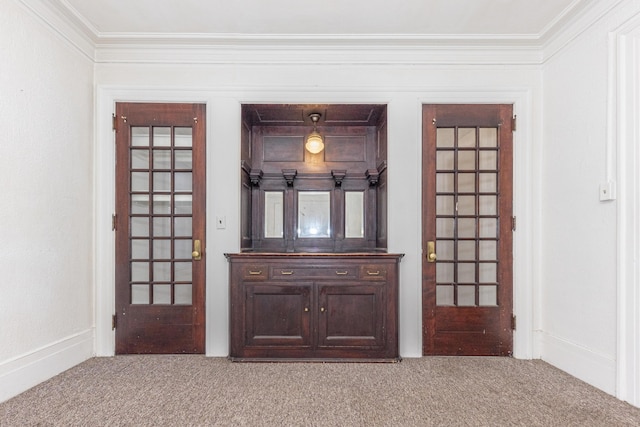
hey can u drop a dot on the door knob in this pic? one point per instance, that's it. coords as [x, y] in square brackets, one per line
[431, 252]
[197, 250]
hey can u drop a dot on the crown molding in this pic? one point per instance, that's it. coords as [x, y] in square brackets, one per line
[580, 21]
[387, 49]
[64, 24]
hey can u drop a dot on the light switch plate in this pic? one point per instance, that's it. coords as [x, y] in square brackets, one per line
[221, 222]
[607, 191]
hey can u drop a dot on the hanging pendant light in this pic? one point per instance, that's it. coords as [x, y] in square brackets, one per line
[314, 143]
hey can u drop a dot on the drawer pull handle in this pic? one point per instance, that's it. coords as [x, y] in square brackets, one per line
[373, 273]
[286, 273]
[306, 309]
[255, 272]
[342, 273]
[322, 309]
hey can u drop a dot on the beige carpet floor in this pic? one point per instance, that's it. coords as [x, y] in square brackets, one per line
[201, 391]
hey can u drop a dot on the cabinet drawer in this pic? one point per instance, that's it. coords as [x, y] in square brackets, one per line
[255, 272]
[373, 272]
[296, 273]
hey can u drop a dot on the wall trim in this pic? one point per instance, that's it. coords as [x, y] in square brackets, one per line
[580, 362]
[623, 140]
[227, 101]
[23, 372]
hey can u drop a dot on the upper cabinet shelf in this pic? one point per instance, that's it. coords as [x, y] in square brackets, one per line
[294, 200]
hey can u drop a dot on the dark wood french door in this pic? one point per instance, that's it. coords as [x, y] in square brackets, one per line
[160, 228]
[467, 195]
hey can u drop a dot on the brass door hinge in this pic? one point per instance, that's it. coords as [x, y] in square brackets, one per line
[513, 223]
[114, 222]
[513, 123]
[513, 322]
[114, 122]
[114, 322]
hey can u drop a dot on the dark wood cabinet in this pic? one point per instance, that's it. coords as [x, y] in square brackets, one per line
[314, 306]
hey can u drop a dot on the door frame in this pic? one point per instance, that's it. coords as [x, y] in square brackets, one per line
[405, 110]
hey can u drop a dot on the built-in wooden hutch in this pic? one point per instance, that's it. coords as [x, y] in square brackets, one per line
[314, 279]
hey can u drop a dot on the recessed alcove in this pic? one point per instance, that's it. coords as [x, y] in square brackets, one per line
[297, 201]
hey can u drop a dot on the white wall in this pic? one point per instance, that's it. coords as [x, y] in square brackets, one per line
[578, 287]
[46, 213]
[404, 87]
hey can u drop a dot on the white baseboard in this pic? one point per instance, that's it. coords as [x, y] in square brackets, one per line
[583, 363]
[23, 372]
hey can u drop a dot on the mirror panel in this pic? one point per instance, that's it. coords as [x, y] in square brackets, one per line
[314, 214]
[273, 214]
[354, 214]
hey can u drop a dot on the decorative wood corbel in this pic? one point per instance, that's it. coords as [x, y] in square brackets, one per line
[372, 176]
[289, 175]
[338, 176]
[255, 175]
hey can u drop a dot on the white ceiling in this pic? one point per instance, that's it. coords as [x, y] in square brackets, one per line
[500, 19]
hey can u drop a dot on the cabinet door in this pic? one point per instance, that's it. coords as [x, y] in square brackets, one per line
[351, 315]
[278, 314]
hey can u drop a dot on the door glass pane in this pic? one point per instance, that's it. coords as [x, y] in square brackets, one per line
[467, 205]
[444, 160]
[183, 137]
[162, 227]
[445, 137]
[488, 295]
[488, 182]
[182, 249]
[467, 182]
[488, 205]
[467, 160]
[466, 295]
[183, 181]
[314, 217]
[161, 136]
[139, 271]
[445, 205]
[162, 181]
[140, 249]
[444, 295]
[140, 204]
[162, 294]
[139, 181]
[444, 249]
[161, 204]
[183, 271]
[183, 159]
[444, 272]
[489, 227]
[466, 250]
[466, 228]
[140, 136]
[466, 137]
[444, 227]
[161, 249]
[139, 294]
[182, 204]
[488, 250]
[183, 294]
[161, 159]
[489, 160]
[488, 272]
[182, 226]
[444, 182]
[488, 137]
[354, 214]
[466, 272]
[161, 271]
[139, 226]
[140, 159]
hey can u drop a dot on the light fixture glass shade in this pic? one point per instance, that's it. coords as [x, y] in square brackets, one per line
[314, 143]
